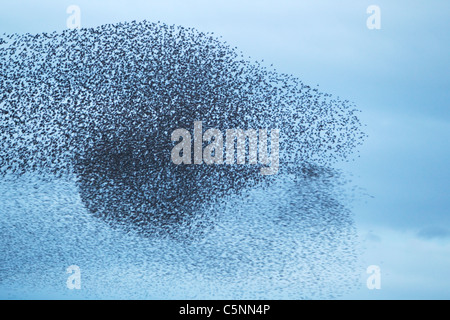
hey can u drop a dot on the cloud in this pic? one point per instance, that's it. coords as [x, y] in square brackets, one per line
[370, 236]
[434, 232]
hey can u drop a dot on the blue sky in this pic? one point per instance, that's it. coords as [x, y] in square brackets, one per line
[398, 76]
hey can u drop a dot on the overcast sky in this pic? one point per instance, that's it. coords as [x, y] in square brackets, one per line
[398, 76]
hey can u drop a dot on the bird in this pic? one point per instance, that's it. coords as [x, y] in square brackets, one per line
[100, 103]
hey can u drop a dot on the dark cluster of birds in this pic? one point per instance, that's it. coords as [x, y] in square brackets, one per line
[101, 103]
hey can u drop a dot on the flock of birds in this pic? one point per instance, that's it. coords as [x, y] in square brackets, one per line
[98, 105]
[101, 104]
